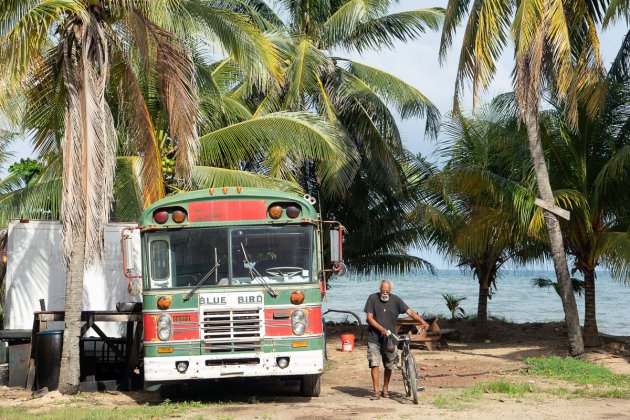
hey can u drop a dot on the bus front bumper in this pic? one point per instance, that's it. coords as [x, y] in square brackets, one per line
[164, 369]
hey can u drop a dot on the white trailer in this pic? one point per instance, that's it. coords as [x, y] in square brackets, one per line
[35, 271]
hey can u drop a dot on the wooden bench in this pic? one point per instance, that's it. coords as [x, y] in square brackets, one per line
[420, 336]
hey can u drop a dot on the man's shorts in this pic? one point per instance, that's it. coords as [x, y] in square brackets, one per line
[378, 356]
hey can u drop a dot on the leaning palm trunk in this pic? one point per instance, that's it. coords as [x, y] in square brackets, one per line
[528, 90]
[556, 246]
[88, 153]
[591, 334]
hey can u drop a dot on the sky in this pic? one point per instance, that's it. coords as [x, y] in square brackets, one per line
[416, 63]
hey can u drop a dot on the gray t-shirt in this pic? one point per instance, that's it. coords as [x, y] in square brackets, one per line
[385, 313]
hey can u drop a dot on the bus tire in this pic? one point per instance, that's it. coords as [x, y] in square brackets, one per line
[311, 385]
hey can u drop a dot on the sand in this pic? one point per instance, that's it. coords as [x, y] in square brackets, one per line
[346, 384]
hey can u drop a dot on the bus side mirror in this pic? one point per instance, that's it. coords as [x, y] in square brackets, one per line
[336, 237]
[129, 267]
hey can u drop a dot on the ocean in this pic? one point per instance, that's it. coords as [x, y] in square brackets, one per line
[515, 299]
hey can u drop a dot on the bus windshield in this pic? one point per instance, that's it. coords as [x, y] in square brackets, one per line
[245, 255]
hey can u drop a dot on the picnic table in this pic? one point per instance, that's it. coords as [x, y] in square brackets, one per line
[133, 337]
[419, 335]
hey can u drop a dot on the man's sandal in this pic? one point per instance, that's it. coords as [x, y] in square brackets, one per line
[385, 394]
[375, 396]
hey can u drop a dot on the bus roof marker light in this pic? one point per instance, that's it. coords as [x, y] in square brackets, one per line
[293, 211]
[225, 190]
[164, 302]
[310, 199]
[211, 191]
[179, 215]
[239, 189]
[275, 211]
[160, 216]
[297, 297]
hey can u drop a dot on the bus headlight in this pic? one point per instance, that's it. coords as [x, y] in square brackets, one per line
[298, 322]
[298, 328]
[298, 316]
[164, 327]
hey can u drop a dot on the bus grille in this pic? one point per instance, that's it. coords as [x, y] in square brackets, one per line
[231, 330]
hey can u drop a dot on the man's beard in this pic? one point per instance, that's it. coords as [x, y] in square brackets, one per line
[384, 298]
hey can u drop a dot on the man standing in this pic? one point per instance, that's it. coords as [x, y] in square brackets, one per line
[382, 310]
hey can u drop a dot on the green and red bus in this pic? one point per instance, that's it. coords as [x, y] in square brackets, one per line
[233, 280]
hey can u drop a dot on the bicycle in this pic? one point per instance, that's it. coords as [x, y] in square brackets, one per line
[409, 369]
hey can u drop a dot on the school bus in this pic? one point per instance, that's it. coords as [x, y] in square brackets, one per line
[233, 280]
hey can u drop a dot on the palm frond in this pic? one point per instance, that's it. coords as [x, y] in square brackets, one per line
[620, 68]
[382, 32]
[614, 249]
[545, 283]
[302, 74]
[40, 200]
[406, 99]
[129, 197]
[89, 148]
[618, 167]
[140, 134]
[243, 42]
[212, 177]
[304, 135]
[344, 21]
[25, 27]
[455, 12]
[178, 94]
[617, 9]
[382, 264]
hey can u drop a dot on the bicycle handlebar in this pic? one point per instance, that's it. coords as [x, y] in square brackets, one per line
[399, 338]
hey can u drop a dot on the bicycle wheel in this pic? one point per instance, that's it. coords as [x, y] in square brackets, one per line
[411, 375]
[406, 380]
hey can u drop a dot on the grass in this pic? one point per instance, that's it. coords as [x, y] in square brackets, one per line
[576, 371]
[500, 387]
[589, 393]
[460, 400]
[600, 383]
[145, 411]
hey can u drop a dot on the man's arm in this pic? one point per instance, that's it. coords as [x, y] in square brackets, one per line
[374, 324]
[418, 318]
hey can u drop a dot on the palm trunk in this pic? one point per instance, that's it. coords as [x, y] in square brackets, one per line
[70, 367]
[591, 334]
[556, 245]
[481, 325]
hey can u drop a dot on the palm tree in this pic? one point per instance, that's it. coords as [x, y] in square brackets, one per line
[487, 198]
[591, 169]
[620, 68]
[553, 49]
[361, 101]
[453, 304]
[67, 54]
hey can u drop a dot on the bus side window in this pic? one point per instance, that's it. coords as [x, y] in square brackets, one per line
[160, 262]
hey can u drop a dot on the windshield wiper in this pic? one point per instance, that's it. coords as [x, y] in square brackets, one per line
[202, 281]
[254, 274]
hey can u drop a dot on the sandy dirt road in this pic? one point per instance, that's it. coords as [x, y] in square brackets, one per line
[346, 386]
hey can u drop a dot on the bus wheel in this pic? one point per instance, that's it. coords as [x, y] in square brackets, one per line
[311, 385]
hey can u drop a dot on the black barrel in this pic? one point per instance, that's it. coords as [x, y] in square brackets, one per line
[48, 358]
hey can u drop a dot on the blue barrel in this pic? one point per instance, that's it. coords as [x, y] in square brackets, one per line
[48, 358]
